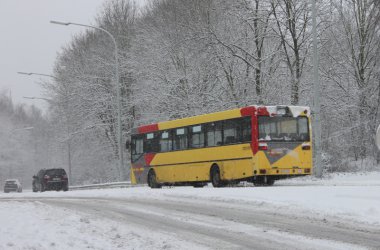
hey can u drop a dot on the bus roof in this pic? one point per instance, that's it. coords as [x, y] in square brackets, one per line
[295, 111]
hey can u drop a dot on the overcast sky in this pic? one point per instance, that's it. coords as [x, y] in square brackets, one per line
[28, 42]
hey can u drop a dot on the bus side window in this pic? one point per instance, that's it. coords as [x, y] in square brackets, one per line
[246, 129]
[197, 136]
[180, 139]
[165, 141]
[150, 142]
[232, 131]
[214, 134]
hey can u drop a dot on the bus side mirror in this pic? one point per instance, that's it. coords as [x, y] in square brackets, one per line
[128, 144]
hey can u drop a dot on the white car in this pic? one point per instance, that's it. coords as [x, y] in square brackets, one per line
[12, 185]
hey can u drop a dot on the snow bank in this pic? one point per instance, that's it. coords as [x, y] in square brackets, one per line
[337, 179]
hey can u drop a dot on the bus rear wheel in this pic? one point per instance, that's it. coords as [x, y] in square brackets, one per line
[270, 182]
[263, 181]
[152, 180]
[215, 177]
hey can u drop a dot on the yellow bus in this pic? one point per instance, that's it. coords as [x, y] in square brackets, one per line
[258, 144]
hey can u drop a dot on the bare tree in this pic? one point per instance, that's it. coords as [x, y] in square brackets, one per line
[359, 47]
[293, 19]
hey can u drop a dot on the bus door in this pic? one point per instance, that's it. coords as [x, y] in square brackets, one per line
[137, 159]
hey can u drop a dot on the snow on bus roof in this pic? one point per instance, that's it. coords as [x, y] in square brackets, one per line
[295, 110]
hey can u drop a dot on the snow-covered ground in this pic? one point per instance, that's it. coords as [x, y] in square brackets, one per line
[34, 225]
[345, 197]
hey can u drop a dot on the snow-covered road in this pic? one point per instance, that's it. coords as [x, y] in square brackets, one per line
[338, 213]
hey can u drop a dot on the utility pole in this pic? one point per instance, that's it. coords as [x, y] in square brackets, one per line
[316, 102]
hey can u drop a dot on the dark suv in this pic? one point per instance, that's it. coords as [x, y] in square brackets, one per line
[50, 179]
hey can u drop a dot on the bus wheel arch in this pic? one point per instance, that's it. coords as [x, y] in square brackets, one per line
[152, 179]
[215, 177]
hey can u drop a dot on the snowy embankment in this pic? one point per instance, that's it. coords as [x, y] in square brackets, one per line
[350, 197]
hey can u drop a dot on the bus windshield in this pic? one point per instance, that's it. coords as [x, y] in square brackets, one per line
[283, 128]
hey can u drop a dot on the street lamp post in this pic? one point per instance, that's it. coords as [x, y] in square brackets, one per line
[38, 98]
[377, 137]
[316, 102]
[51, 102]
[11, 132]
[68, 133]
[38, 74]
[25, 128]
[118, 87]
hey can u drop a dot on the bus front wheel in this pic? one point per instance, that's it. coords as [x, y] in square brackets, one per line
[152, 180]
[215, 177]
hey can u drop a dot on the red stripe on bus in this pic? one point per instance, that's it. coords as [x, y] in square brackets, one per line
[247, 111]
[148, 128]
[149, 158]
[254, 135]
[251, 111]
[263, 111]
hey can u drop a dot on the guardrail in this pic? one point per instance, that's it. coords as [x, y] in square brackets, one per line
[125, 184]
